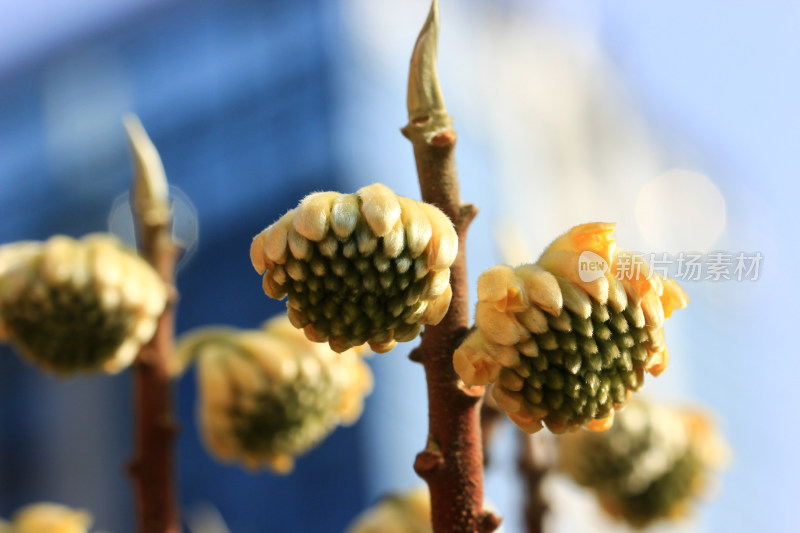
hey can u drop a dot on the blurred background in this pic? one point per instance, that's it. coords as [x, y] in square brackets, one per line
[677, 120]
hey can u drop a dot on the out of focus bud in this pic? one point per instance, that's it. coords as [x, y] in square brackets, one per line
[77, 305]
[267, 396]
[408, 512]
[651, 465]
[403, 512]
[370, 267]
[49, 518]
[565, 341]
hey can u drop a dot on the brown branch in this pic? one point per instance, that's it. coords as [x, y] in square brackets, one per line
[152, 467]
[491, 416]
[533, 474]
[452, 462]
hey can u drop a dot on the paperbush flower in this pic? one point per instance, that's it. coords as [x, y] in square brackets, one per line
[651, 465]
[565, 346]
[48, 518]
[269, 395]
[74, 305]
[370, 267]
[408, 512]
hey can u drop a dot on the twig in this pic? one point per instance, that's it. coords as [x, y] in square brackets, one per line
[533, 474]
[452, 462]
[491, 416]
[152, 467]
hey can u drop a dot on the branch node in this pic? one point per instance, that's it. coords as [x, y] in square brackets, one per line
[467, 213]
[489, 522]
[417, 355]
[444, 138]
[428, 462]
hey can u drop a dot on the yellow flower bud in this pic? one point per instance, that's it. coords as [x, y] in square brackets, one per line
[408, 512]
[50, 518]
[650, 465]
[370, 267]
[77, 305]
[563, 348]
[269, 395]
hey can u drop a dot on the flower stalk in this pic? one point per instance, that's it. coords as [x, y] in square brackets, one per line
[152, 466]
[452, 461]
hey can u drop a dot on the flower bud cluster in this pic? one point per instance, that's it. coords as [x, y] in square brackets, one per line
[565, 350]
[370, 267]
[269, 395]
[650, 465]
[76, 305]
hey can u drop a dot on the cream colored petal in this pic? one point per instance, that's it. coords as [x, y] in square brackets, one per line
[419, 312]
[154, 297]
[436, 284]
[437, 309]
[617, 297]
[534, 320]
[313, 335]
[660, 362]
[145, 329]
[653, 312]
[257, 257]
[271, 288]
[80, 275]
[212, 380]
[382, 347]
[599, 425]
[510, 381]
[344, 215]
[276, 238]
[243, 371]
[526, 421]
[575, 299]
[394, 240]
[339, 344]
[541, 288]
[312, 218]
[273, 356]
[109, 297]
[58, 259]
[508, 356]
[131, 289]
[408, 332]
[673, 297]
[299, 246]
[416, 224]
[493, 283]
[471, 362]
[380, 208]
[16, 253]
[281, 463]
[443, 246]
[593, 237]
[529, 348]
[511, 402]
[123, 357]
[498, 327]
